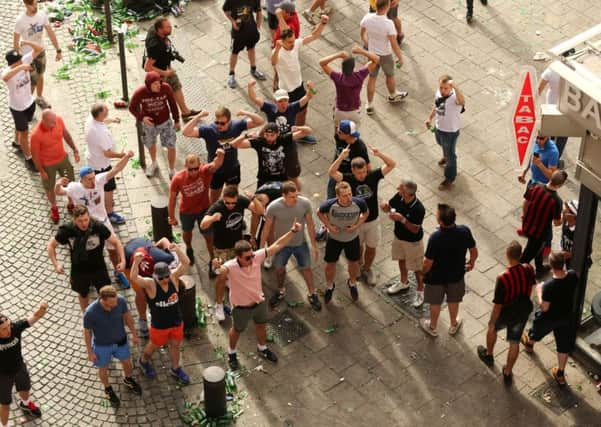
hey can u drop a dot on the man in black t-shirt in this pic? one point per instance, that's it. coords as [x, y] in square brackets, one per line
[444, 267]
[159, 54]
[226, 217]
[364, 185]
[556, 299]
[245, 34]
[85, 237]
[13, 371]
[408, 214]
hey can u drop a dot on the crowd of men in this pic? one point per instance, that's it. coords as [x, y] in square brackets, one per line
[281, 217]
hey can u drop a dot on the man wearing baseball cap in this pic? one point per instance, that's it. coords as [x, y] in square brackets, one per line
[166, 324]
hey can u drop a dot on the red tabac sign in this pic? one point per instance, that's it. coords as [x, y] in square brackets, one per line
[523, 119]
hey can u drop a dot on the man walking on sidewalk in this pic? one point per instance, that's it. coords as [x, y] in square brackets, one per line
[444, 267]
[104, 331]
[511, 309]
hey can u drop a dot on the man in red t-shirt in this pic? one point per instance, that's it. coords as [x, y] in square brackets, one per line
[50, 157]
[193, 182]
[287, 18]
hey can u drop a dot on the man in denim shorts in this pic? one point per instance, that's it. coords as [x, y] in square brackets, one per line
[512, 307]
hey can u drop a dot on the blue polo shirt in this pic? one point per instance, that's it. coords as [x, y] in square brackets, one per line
[107, 326]
[549, 155]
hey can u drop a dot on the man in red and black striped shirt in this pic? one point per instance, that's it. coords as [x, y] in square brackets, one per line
[512, 307]
[542, 207]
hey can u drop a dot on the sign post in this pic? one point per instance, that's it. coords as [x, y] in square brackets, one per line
[523, 117]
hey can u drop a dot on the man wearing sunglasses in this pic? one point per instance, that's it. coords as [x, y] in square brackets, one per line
[220, 134]
[166, 324]
[193, 183]
[246, 292]
[544, 161]
[226, 217]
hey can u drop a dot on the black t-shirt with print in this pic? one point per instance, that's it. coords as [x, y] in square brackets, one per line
[242, 11]
[158, 49]
[366, 190]
[414, 212]
[228, 230]
[357, 149]
[86, 246]
[272, 157]
[11, 358]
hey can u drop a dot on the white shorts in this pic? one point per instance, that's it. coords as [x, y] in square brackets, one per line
[369, 233]
[410, 252]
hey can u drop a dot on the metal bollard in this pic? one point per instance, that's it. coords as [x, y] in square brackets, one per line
[141, 153]
[121, 40]
[108, 20]
[213, 379]
[160, 222]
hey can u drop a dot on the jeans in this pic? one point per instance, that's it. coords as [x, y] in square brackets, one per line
[448, 142]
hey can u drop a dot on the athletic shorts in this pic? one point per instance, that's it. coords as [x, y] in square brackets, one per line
[410, 252]
[38, 68]
[243, 41]
[301, 253]
[105, 353]
[165, 130]
[160, 337]
[230, 177]
[242, 315]
[63, 168]
[19, 379]
[297, 94]
[352, 250]
[188, 220]
[22, 118]
[81, 282]
[565, 335]
[173, 81]
[369, 233]
[434, 294]
[111, 184]
[387, 65]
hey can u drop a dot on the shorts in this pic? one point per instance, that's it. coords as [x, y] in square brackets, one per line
[242, 315]
[272, 20]
[297, 94]
[165, 130]
[231, 177]
[369, 233]
[410, 252]
[301, 253]
[565, 335]
[393, 12]
[19, 379]
[22, 118]
[81, 282]
[173, 81]
[188, 221]
[434, 294]
[111, 185]
[243, 41]
[160, 337]
[63, 168]
[224, 254]
[514, 331]
[105, 353]
[38, 68]
[354, 115]
[352, 250]
[387, 64]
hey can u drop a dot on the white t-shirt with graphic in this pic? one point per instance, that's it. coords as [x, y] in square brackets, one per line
[98, 140]
[31, 28]
[288, 67]
[20, 97]
[92, 198]
[448, 113]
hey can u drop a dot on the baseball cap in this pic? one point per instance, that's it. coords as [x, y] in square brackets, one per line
[573, 206]
[287, 6]
[349, 127]
[280, 95]
[12, 56]
[161, 269]
[84, 171]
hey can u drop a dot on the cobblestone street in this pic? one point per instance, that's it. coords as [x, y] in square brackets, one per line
[364, 363]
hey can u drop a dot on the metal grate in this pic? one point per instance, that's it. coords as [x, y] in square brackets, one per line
[404, 299]
[555, 398]
[285, 328]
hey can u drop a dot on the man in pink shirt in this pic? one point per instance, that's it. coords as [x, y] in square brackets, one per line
[246, 292]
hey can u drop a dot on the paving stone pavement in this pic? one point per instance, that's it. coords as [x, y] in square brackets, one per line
[377, 367]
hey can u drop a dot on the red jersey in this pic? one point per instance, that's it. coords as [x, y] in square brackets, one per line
[195, 191]
[293, 23]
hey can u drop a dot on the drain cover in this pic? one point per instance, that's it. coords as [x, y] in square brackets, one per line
[285, 328]
[555, 398]
[404, 299]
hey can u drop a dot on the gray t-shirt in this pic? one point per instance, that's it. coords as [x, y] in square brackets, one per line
[283, 218]
[343, 216]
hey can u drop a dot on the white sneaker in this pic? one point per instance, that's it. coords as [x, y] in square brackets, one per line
[398, 287]
[370, 277]
[454, 329]
[369, 109]
[151, 169]
[418, 301]
[268, 263]
[219, 314]
[425, 325]
[398, 96]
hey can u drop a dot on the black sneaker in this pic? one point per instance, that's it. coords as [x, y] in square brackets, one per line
[268, 354]
[233, 361]
[16, 145]
[111, 396]
[31, 408]
[507, 378]
[133, 386]
[469, 17]
[488, 359]
[212, 273]
[354, 291]
[314, 301]
[327, 296]
[190, 254]
[30, 165]
[276, 299]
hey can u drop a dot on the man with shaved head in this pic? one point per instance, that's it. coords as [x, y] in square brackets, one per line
[49, 155]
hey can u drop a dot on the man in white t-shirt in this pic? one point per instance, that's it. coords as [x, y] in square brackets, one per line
[550, 79]
[285, 59]
[30, 26]
[20, 101]
[101, 149]
[448, 105]
[379, 35]
[89, 191]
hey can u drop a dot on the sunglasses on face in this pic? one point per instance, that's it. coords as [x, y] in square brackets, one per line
[540, 138]
[197, 168]
[162, 278]
[220, 123]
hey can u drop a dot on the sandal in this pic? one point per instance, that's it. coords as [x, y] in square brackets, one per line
[526, 343]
